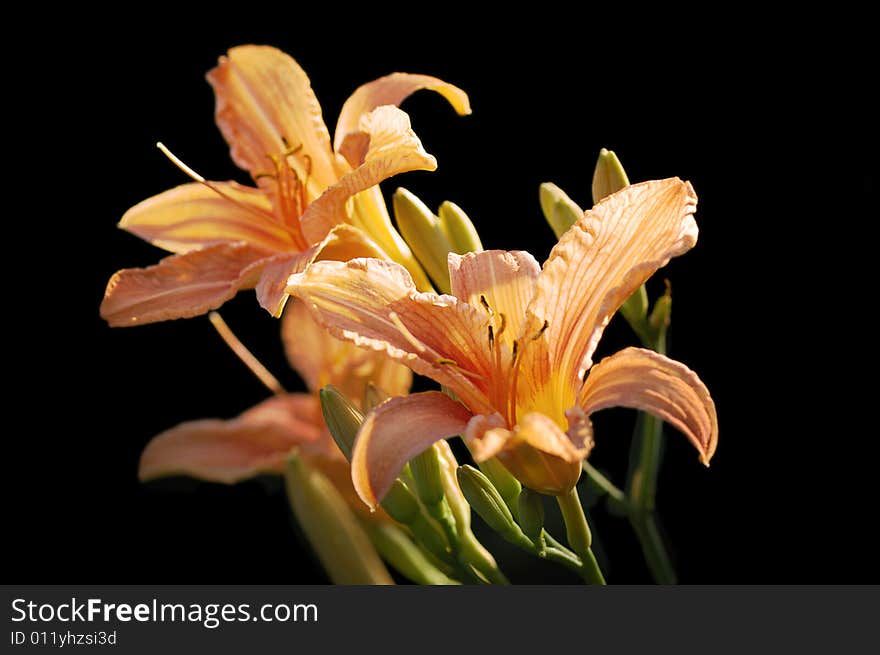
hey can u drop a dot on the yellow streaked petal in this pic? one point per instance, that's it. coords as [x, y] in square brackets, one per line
[600, 261]
[191, 216]
[393, 148]
[645, 380]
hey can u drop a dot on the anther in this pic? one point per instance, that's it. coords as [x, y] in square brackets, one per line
[541, 331]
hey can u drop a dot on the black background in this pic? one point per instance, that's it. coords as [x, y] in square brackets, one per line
[769, 121]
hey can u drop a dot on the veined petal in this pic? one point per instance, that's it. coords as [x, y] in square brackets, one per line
[343, 242]
[265, 108]
[506, 280]
[181, 286]
[255, 442]
[395, 432]
[392, 90]
[375, 305]
[645, 380]
[191, 216]
[600, 261]
[321, 359]
[392, 148]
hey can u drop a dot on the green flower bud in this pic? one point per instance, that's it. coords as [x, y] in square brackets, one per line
[609, 175]
[425, 235]
[459, 229]
[331, 528]
[507, 485]
[560, 211]
[426, 474]
[487, 502]
[531, 516]
[400, 551]
[343, 419]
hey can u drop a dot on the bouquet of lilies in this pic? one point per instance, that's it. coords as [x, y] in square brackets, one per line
[371, 478]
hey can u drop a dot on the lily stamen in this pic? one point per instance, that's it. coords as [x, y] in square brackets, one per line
[246, 356]
[415, 343]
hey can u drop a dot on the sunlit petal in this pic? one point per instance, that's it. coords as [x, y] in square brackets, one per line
[601, 260]
[392, 148]
[257, 441]
[392, 90]
[191, 216]
[395, 432]
[645, 380]
[375, 305]
[181, 286]
[266, 106]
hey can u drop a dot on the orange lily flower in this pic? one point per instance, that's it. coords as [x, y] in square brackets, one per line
[514, 343]
[227, 237]
[260, 439]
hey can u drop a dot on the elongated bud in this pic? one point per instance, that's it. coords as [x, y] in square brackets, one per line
[635, 308]
[488, 503]
[459, 229]
[343, 419]
[609, 175]
[422, 231]
[331, 528]
[560, 211]
[399, 550]
[531, 516]
[507, 485]
[373, 396]
[661, 315]
[458, 504]
[426, 473]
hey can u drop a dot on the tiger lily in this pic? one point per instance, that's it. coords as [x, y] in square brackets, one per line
[514, 344]
[227, 236]
[260, 439]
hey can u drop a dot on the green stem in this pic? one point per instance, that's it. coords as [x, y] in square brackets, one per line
[641, 486]
[580, 539]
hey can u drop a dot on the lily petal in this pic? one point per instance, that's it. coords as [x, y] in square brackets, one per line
[257, 441]
[645, 380]
[343, 242]
[506, 280]
[265, 107]
[392, 90]
[395, 432]
[321, 359]
[392, 148]
[181, 286]
[375, 305]
[601, 260]
[192, 216]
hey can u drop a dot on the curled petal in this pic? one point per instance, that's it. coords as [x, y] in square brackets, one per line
[343, 242]
[395, 432]
[191, 216]
[485, 436]
[321, 359]
[374, 304]
[265, 108]
[600, 261]
[505, 280]
[392, 90]
[257, 441]
[181, 286]
[645, 380]
[392, 148]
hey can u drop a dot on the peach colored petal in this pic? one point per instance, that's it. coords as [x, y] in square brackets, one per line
[393, 148]
[191, 216]
[266, 107]
[375, 305]
[343, 242]
[257, 441]
[600, 261]
[392, 90]
[395, 432]
[645, 380]
[485, 436]
[541, 456]
[181, 286]
[506, 280]
[321, 359]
